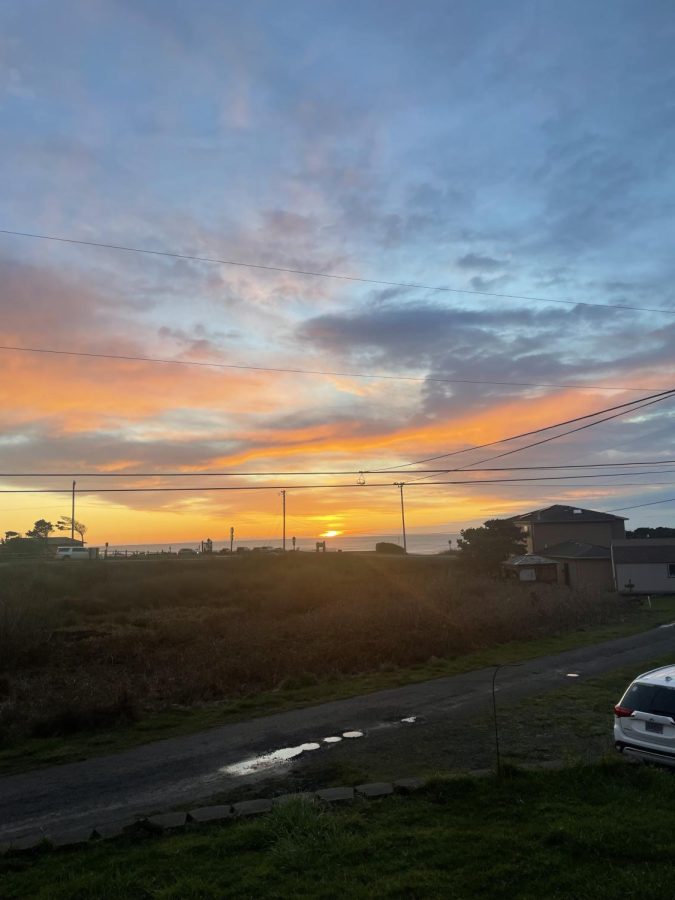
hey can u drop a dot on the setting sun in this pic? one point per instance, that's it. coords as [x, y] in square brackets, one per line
[330, 534]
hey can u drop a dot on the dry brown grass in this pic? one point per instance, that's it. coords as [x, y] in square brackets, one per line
[101, 643]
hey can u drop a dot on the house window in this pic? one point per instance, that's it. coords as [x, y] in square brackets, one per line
[671, 570]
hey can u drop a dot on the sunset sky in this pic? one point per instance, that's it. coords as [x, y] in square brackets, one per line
[521, 148]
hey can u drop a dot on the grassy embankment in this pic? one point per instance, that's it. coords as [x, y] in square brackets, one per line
[97, 657]
[589, 833]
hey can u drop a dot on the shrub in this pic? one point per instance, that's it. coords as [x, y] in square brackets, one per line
[388, 547]
[71, 719]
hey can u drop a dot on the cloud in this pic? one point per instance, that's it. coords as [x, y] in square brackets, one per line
[534, 154]
[480, 262]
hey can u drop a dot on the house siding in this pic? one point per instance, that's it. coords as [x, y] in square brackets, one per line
[590, 574]
[646, 578]
[548, 534]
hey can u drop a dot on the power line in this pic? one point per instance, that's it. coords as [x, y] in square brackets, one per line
[333, 275]
[280, 370]
[641, 505]
[417, 462]
[310, 487]
[555, 437]
[267, 474]
[372, 484]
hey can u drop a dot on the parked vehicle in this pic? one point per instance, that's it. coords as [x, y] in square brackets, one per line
[644, 718]
[187, 551]
[77, 553]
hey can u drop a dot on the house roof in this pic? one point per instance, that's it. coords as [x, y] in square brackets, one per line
[529, 559]
[578, 550]
[560, 513]
[644, 551]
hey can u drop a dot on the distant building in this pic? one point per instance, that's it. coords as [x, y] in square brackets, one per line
[644, 566]
[555, 525]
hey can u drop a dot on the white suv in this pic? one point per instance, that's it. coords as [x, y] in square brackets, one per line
[644, 718]
[77, 552]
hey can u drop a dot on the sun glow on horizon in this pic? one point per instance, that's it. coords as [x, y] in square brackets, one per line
[330, 534]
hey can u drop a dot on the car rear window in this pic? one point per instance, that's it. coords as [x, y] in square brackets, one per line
[650, 698]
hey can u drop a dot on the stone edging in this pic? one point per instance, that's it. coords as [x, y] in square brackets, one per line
[172, 821]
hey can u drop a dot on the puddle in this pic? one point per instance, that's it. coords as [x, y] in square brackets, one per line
[572, 674]
[409, 720]
[267, 760]
[264, 761]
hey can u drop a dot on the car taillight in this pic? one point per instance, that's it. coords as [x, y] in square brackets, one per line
[622, 712]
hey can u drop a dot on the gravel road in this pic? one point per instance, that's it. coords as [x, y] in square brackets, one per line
[176, 771]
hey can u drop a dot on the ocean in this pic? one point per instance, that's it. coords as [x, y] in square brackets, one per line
[417, 543]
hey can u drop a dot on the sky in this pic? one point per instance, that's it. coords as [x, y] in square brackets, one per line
[520, 149]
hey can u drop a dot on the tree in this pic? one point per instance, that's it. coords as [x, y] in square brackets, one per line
[644, 533]
[483, 549]
[10, 535]
[66, 523]
[42, 529]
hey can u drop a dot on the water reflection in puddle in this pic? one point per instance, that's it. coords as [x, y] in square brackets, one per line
[267, 760]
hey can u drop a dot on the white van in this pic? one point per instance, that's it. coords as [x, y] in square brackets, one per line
[77, 552]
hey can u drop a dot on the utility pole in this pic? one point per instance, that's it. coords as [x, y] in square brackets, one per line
[72, 515]
[283, 508]
[231, 539]
[399, 485]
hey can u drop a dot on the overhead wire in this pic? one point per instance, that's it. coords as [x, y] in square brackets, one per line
[377, 376]
[632, 403]
[641, 505]
[555, 437]
[250, 474]
[332, 486]
[317, 274]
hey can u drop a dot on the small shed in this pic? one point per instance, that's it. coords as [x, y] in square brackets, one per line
[644, 566]
[531, 567]
[582, 565]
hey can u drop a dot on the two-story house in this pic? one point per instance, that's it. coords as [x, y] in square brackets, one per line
[545, 528]
[577, 539]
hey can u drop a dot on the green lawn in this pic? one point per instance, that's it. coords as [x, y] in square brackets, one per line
[31, 753]
[585, 833]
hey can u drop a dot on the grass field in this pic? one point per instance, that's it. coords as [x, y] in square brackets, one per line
[97, 657]
[584, 833]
